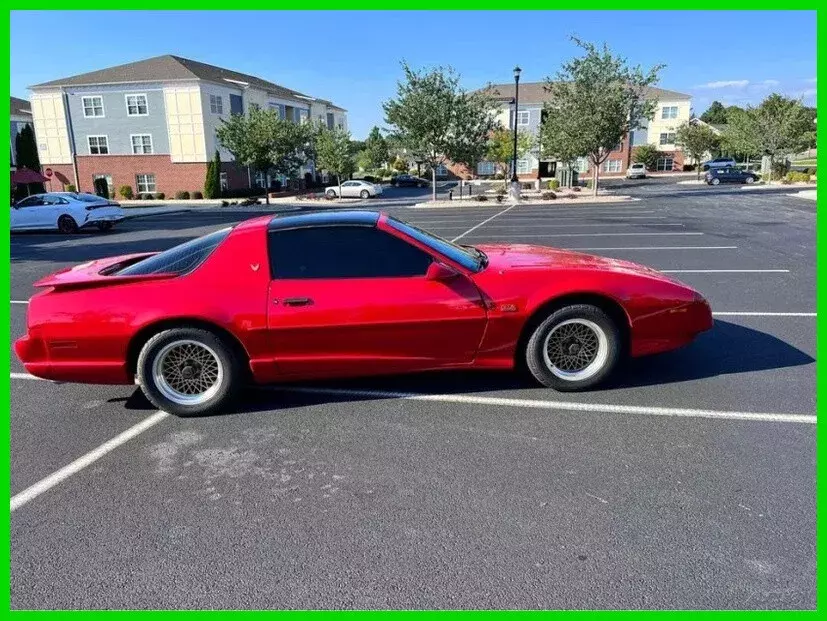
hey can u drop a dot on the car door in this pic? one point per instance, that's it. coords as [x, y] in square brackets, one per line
[348, 189]
[24, 214]
[355, 300]
[52, 208]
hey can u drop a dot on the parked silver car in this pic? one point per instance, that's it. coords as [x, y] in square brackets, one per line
[718, 162]
[636, 171]
[354, 189]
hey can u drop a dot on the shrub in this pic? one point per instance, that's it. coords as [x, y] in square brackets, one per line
[481, 198]
[71, 188]
[182, 195]
[553, 184]
[242, 192]
[224, 203]
[779, 169]
[125, 191]
[576, 188]
[160, 195]
[549, 196]
[796, 177]
[212, 184]
[145, 197]
[197, 195]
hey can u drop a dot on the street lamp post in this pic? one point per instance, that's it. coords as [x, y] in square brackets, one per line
[515, 184]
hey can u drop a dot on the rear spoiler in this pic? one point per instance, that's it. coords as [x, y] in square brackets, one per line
[96, 273]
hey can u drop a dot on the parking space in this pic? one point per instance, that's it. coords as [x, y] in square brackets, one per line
[688, 481]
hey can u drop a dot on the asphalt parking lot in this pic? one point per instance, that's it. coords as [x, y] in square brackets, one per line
[687, 482]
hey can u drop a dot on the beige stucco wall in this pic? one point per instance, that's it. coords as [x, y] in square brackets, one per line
[185, 123]
[660, 125]
[49, 117]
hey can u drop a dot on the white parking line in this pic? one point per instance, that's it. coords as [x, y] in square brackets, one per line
[57, 477]
[19, 301]
[474, 228]
[603, 408]
[661, 248]
[760, 314]
[609, 225]
[725, 271]
[692, 234]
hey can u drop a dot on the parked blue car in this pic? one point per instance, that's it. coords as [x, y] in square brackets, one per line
[730, 175]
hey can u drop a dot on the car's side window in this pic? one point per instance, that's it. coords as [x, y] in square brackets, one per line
[29, 202]
[343, 252]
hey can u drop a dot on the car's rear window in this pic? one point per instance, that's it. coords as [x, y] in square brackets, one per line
[179, 259]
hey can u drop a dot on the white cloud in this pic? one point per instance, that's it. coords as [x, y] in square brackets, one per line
[725, 84]
[811, 81]
[770, 83]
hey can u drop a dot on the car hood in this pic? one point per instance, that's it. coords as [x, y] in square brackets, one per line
[509, 257]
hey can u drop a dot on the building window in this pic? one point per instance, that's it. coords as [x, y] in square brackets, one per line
[330, 120]
[304, 116]
[523, 167]
[665, 164]
[225, 184]
[612, 166]
[441, 171]
[669, 112]
[486, 168]
[581, 165]
[145, 183]
[261, 179]
[93, 107]
[236, 104]
[98, 145]
[136, 105]
[141, 143]
[667, 138]
[216, 104]
[110, 188]
[523, 117]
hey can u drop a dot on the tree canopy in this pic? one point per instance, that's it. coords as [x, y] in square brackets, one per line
[333, 153]
[697, 139]
[500, 148]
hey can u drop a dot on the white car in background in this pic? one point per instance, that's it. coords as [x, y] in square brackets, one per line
[66, 212]
[354, 189]
[636, 171]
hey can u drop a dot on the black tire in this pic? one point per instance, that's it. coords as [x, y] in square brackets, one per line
[715, 181]
[104, 226]
[364, 194]
[66, 224]
[331, 193]
[608, 343]
[749, 180]
[223, 390]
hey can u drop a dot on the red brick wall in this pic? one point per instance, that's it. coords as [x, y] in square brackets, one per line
[169, 177]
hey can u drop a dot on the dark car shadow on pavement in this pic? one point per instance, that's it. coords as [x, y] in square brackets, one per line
[726, 349]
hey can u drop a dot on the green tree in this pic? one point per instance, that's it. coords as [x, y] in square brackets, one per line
[436, 120]
[647, 154]
[363, 161]
[716, 114]
[778, 126]
[25, 148]
[376, 149]
[400, 165]
[212, 184]
[264, 141]
[697, 139]
[500, 147]
[597, 99]
[333, 153]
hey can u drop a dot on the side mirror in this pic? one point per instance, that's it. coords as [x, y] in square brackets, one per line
[440, 271]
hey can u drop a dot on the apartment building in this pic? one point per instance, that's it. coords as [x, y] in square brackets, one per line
[21, 115]
[151, 124]
[673, 109]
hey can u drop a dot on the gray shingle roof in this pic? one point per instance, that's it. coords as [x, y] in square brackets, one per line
[535, 92]
[166, 68]
[20, 106]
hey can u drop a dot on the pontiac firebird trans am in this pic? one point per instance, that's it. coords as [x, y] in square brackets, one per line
[345, 294]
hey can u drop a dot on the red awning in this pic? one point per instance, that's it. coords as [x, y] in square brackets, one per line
[26, 175]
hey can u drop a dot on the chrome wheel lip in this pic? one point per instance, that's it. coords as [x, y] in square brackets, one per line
[164, 384]
[600, 357]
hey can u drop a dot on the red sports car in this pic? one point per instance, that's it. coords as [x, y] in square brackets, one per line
[345, 293]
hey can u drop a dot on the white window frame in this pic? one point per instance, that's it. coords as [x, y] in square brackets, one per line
[663, 139]
[98, 137]
[581, 165]
[216, 104]
[664, 168]
[490, 168]
[138, 183]
[83, 99]
[142, 152]
[263, 183]
[523, 167]
[615, 166]
[146, 104]
[523, 114]
[669, 112]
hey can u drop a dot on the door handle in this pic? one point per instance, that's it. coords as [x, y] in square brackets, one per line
[297, 301]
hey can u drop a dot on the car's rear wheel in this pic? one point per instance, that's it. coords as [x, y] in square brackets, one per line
[750, 180]
[715, 181]
[105, 226]
[331, 193]
[67, 224]
[364, 194]
[574, 348]
[188, 372]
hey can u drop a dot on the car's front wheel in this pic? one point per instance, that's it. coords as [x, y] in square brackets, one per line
[576, 347]
[188, 372]
[749, 180]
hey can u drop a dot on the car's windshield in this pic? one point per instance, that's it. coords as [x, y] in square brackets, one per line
[469, 257]
[179, 259]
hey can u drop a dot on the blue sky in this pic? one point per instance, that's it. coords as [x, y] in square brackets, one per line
[352, 58]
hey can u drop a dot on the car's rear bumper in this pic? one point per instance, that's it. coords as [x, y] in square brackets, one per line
[33, 353]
